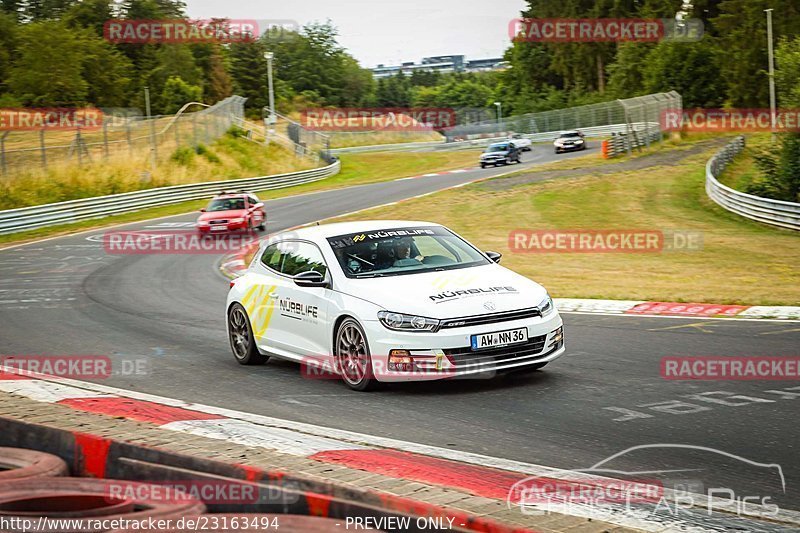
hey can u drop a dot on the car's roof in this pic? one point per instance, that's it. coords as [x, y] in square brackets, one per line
[231, 195]
[565, 132]
[323, 231]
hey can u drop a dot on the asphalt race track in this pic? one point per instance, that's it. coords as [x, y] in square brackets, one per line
[67, 296]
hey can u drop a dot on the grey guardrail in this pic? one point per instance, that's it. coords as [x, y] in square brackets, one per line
[39, 216]
[766, 210]
[546, 136]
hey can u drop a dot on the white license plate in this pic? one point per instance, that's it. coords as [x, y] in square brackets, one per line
[219, 228]
[499, 338]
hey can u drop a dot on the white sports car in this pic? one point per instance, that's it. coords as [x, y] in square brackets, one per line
[389, 301]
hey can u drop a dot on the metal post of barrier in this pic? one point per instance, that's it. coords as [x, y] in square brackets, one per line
[42, 149]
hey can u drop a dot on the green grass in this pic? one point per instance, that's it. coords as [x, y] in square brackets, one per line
[742, 171]
[741, 262]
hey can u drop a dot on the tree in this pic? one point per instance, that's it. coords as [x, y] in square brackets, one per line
[48, 70]
[787, 75]
[176, 93]
[8, 47]
[626, 74]
[688, 68]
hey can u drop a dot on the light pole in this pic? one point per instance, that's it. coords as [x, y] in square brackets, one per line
[499, 106]
[272, 119]
[772, 103]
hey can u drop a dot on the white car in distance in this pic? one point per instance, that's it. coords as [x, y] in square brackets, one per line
[387, 301]
[521, 142]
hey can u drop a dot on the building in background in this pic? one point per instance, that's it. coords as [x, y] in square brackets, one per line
[443, 64]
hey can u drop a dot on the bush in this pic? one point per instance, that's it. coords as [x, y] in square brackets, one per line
[203, 150]
[183, 156]
[781, 170]
[236, 132]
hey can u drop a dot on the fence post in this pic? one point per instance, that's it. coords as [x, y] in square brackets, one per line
[78, 142]
[128, 136]
[194, 129]
[43, 149]
[105, 139]
[3, 164]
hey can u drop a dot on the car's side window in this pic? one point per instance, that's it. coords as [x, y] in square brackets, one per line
[301, 257]
[272, 257]
[253, 200]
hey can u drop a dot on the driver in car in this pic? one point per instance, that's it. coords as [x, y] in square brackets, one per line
[402, 254]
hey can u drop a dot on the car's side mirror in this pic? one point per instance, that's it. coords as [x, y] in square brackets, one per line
[202, 209]
[494, 256]
[311, 278]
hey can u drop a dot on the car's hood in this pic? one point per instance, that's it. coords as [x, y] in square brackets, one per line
[492, 154]
[219, 215]
[450, 293]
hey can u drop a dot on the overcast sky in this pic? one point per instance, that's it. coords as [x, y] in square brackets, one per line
[389, 31]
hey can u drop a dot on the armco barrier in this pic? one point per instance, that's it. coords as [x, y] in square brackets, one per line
[766, 210]
[39, 216]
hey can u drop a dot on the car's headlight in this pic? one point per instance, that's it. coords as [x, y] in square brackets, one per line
[236, 220]
[546, 306]
[579, 141]
[401, 322]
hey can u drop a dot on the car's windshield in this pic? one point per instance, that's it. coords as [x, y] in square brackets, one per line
[226, 204]
[570, 135]
[498, 148]
[403, 251]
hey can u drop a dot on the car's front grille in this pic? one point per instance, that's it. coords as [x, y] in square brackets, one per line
[223, 221]
[464, 357]
[493, 318]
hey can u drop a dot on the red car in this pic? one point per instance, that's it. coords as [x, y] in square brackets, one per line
[232, 211]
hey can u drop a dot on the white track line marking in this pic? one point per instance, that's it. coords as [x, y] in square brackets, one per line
[249, 434]
[47, 391]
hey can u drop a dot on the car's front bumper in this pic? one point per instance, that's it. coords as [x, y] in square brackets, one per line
[447, 354]
[570, 147]
[222, 228]
[494, 161]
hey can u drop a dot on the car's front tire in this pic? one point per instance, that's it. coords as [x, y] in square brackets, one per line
[352, 355]
[483, 165]
[243, 342]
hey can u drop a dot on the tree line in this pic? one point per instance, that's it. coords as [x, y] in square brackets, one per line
[52, 53]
